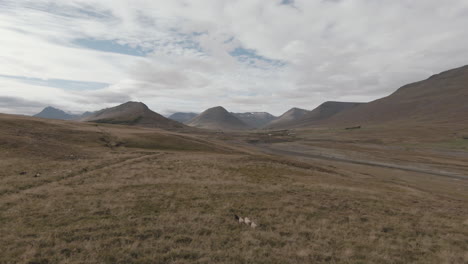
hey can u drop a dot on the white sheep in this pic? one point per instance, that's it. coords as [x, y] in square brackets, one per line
[246, 221]
[240, 219]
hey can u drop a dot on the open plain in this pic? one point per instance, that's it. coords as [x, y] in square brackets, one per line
[96, 193]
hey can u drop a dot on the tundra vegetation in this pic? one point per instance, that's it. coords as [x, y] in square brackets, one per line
[115, 194]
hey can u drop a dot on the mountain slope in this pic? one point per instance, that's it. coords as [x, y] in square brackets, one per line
[287, 119]
[132, 113]
[441, 98]
[54, 113]
[182, 117]
[219, 119]
[323, 112]
[255, 119]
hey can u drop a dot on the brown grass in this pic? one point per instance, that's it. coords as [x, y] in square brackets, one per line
[162, 204]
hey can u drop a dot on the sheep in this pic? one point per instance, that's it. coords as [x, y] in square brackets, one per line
[238, 218]
[246, 221]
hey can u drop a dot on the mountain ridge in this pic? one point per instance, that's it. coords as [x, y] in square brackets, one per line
[217, 118]
[442, 97]
[323, 112]
[287, 118]
[132, 113]
[50, 112]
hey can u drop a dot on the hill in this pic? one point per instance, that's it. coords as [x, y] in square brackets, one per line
[55, 113]
[255, 119]
[287, 119]
[133, 114]
[218, 118]
[442, 99]
[182, 117]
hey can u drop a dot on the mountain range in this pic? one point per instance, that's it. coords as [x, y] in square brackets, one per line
[441, 98]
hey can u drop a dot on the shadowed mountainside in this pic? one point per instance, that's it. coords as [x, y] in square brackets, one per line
[443, 98]
[182, 117]
[323, 112]
[287, 119]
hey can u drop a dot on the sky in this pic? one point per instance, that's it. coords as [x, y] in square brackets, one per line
[246, 55]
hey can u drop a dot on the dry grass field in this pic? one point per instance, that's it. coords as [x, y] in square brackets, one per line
[87, 193]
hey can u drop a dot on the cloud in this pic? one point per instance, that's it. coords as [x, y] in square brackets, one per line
[248, 55]
[26, 106]
[58, 83]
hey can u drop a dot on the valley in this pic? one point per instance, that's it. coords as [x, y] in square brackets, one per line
[233, 132]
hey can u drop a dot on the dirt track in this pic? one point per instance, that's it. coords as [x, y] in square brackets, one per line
[281, 150]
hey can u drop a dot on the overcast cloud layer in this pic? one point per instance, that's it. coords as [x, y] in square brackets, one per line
[247, 55]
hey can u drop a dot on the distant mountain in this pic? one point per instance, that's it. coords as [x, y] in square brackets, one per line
[182, 117]
[443, 98]
[54, 113]
[323, 112]
[287, 119]
[255, 119]
[86, 114]
[217, 118]
[133, 114]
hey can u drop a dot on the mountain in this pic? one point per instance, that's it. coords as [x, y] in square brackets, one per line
[323, 112]
[182, 117]
[287, 119]
[255, 119]
[217, 118]
[86, 114]
[134, 114]
[443, 98]
[54, 113]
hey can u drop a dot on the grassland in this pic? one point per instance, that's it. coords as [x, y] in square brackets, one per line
[114, 194]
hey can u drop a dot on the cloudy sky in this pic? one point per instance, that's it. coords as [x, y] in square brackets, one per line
[247, 55]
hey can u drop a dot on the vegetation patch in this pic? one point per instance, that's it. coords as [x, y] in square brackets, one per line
[119, 122]
[164, 142]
